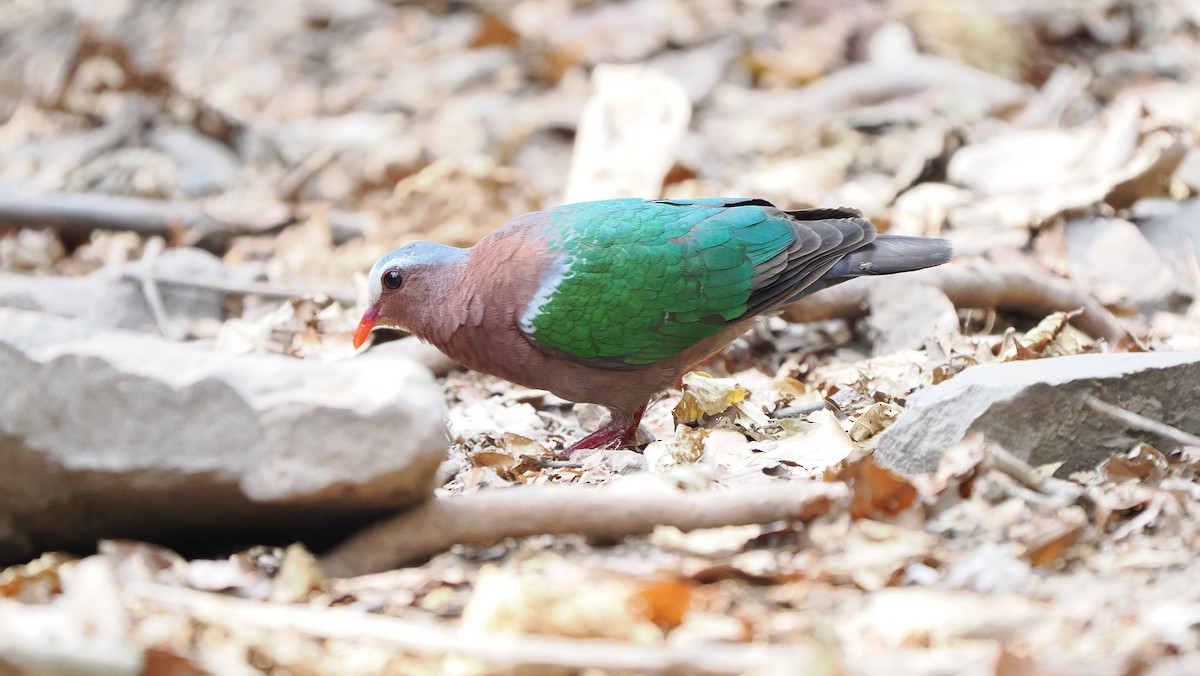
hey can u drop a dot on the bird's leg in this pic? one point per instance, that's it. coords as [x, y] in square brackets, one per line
[612, 435]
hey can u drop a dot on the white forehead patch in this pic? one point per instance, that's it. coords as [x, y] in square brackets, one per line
[407, 258]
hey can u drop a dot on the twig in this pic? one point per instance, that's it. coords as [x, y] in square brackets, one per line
[263, 289]
[295, 179]
[976, 284]
[1059, 491]
[491, 516]
[1142, 423]
[82, 213]
[145, 275]
[422, 638]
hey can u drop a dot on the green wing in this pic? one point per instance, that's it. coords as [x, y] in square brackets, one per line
[636, 282]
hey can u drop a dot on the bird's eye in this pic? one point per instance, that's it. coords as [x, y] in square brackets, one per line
[392, 279]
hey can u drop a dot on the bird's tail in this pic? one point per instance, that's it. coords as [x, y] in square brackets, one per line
[892, 253]
[887, 254]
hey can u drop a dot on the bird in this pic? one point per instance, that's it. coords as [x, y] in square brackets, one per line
[612, 301]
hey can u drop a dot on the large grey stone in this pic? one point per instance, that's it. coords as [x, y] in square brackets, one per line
[905, 313]
[110, 298]
[1172, 227]
[110, 434]
[1035, 409]
[1114, 258]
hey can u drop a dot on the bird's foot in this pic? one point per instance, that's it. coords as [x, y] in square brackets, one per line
[610, 436]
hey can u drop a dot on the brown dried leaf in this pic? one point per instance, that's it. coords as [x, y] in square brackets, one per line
[494, 31]
[664, 602]
[34, 582]
[704, 395]
[1012, 349]
[878, 492]
[1048, 550]
[874, 420]
[1039, 337]
[1143, 463]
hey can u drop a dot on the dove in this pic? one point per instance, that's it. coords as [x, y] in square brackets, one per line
[611, 302]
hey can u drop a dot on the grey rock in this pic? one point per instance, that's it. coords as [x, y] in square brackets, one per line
[1035, 409]
[1114, 258]
[116, 434]
[108, 298]
[410, 347]
[905, 314]
[1170, 226]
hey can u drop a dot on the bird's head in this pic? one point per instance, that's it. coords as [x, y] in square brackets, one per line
[404, 279]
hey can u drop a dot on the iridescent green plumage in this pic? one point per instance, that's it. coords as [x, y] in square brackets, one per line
[636, 282]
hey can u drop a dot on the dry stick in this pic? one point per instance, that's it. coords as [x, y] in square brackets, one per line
[1141, 422]
[145, 275]
[315, 162]
[973, 285]
[491, 516]
[345, 297]
[82, 213]
[422, 638]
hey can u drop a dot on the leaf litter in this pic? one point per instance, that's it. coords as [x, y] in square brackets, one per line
[984, 566]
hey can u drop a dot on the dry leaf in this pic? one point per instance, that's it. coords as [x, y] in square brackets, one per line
[34, 582]
[878, 492]
[1039, 337]
[552, 595]
[664, 602]
[704, 395]
[824, 445]
[706, 541]
[1142, 463]
[686, 447]
[299, 575]
[874, 420]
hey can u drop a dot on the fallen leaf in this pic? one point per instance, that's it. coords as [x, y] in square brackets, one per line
[704, 395]
[34, 582]
[686, 447]
[824, 445]
[299, 575]
[874, 420]
[706, 541]
[664, 602]
[1142, 463]
[878, 492]
[501, 462]
[1039, 337]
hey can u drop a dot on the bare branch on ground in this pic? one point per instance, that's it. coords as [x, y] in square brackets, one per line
[83, 213]
[491, 516]
[422, 638]
[1142, 423]
[264, 289]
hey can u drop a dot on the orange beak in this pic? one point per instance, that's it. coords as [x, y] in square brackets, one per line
[369, 318]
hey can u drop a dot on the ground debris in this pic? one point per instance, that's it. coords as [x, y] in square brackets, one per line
[219, 179]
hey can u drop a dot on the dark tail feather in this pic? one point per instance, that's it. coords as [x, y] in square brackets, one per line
[892, 253]
[888, 254]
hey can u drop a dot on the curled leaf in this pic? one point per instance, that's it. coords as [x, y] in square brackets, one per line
[704, 395]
